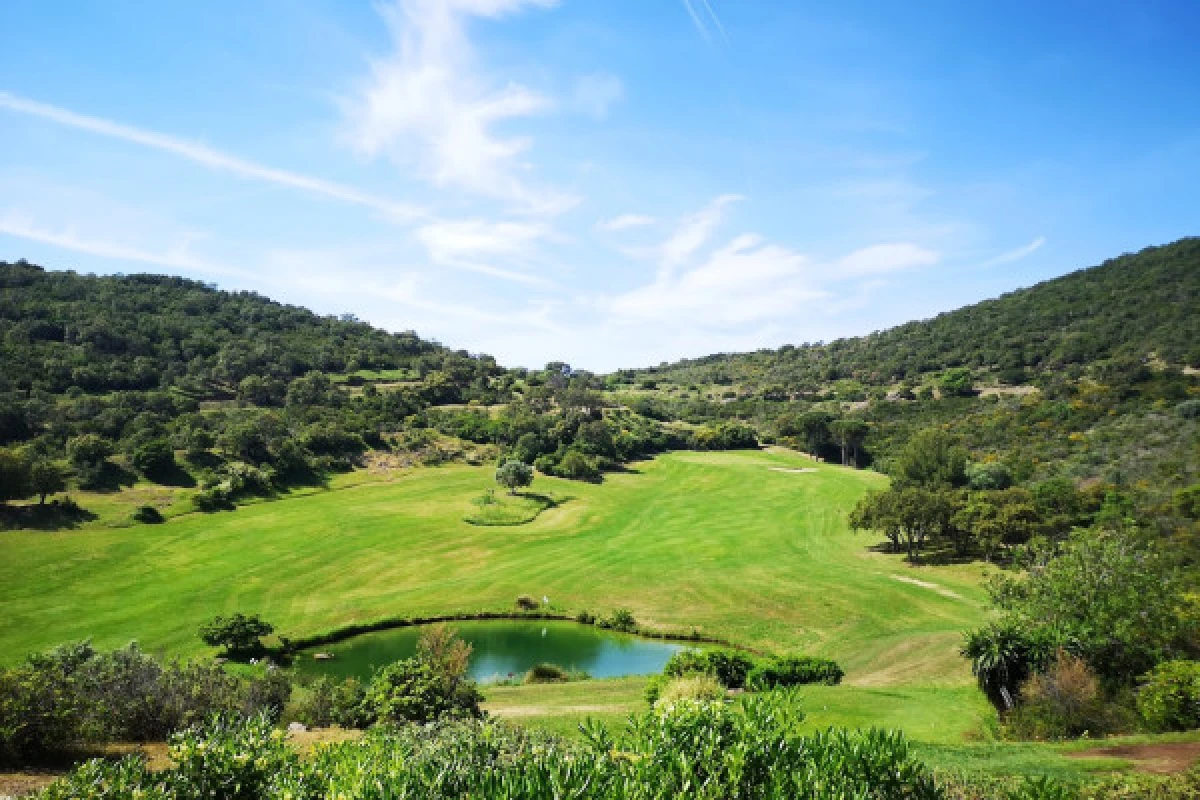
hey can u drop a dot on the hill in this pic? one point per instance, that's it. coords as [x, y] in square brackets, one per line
[1136, 306]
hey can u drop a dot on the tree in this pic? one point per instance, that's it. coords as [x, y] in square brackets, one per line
[931, 459]
[1119, 602]
[88, 455]
[239, 634]
[45, 478]
[913, 516]
[849, 434]
[514, 475]
[956, 382]
[154, 458]
[14, 476]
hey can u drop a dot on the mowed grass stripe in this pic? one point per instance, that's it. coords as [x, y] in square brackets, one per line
[715, 541]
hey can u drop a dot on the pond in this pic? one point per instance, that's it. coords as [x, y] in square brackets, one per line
[503, 648]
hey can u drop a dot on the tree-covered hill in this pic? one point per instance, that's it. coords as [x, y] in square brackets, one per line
[60, 330]
[1127, 308]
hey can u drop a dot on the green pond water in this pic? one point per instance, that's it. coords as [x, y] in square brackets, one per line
[503, 648]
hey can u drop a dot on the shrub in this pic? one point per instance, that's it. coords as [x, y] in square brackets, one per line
[578, 467]
[1064, 701]
[526, 602]
[547, 673]
[229, 758]
[794, 671]
[148, 515]
[412, 691]
[695, 688]
[730, 667]
[620, 620]
[585, 617]
[328, 702]
[74, 695]
[709, 750]
[1169, 698]
[1003, 656]
[433, 685]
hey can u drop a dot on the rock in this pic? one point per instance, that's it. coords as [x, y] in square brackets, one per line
[297, 727]
[323, 656]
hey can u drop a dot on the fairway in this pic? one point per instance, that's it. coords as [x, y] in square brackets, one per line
[736, 545]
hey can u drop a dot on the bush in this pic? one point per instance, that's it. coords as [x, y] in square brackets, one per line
[73, 695]
[585, 617]
[620, 620]
[1169, 698]
[1062, 702]
[730, 667]
[711, 750]
[794, 671]
[578, 467]
[695, 688]
[432, 685]
[148, 515]
[547, 673]
[328, 702]
[412, 691]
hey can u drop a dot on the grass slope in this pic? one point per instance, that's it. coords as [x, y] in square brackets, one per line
[716, 541]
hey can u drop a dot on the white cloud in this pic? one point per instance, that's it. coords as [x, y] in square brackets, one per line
[209, 157]
[882, 259]
[471, 244]
[595, 94]
[693, 233]
[624, 222]
[428, 105]
[175, 257]
[746, 281]
[1013, 255]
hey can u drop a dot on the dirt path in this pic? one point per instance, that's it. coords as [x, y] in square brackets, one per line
[1160, 759]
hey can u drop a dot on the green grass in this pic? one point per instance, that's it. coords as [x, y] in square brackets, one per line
[504, 509]
[718, 542]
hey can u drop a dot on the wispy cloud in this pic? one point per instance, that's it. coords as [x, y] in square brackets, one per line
[473, 244]
[176, 257]
[693, 233]
[699, 20]
[625, 221]
[208, 157]
[882, 259]
[428, 105]
[1013, 255]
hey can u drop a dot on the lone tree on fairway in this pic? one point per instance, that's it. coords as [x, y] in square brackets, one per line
[240, 635]
[45, 478]
[513, 475]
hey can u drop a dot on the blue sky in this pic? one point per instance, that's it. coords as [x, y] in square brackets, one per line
[607, 182]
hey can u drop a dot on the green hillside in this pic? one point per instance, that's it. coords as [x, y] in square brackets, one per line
[1134, 306]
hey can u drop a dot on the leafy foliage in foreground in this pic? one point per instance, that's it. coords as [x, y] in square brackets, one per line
[686, 750]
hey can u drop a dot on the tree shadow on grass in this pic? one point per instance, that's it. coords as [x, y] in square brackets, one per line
[111, 478]
[176, 475]
[546, 500]
[56, 515]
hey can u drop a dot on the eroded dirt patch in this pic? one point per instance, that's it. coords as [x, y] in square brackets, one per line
[1160, 759]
